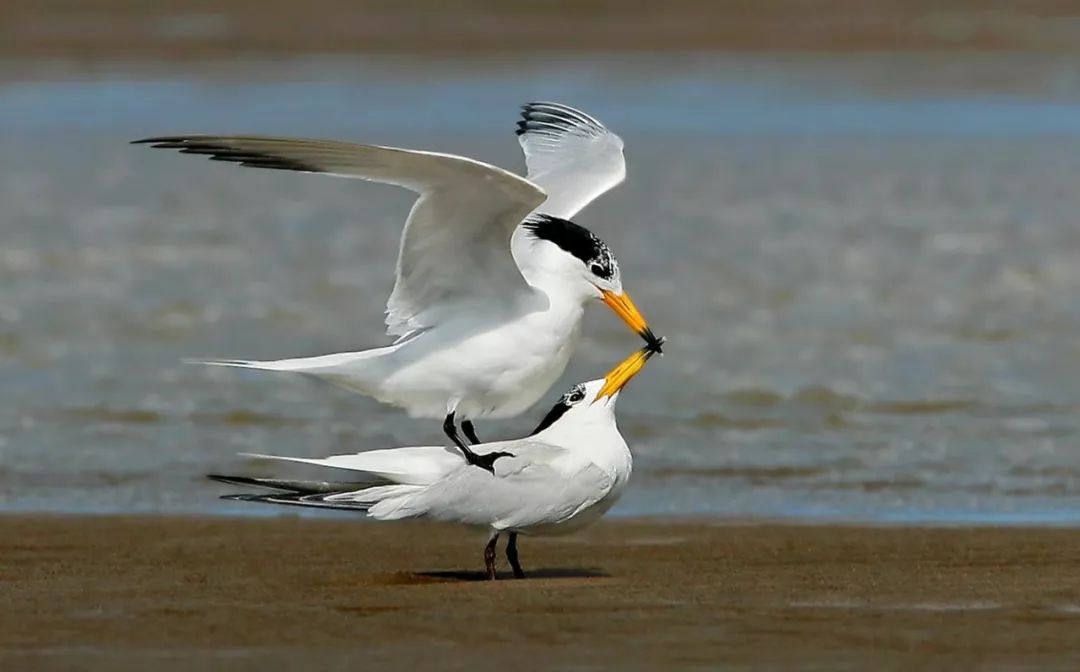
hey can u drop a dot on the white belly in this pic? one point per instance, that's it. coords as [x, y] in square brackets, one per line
[495, 372]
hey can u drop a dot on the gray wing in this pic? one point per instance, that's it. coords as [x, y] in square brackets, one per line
[541, 484]
[570, 155]
[455, 249]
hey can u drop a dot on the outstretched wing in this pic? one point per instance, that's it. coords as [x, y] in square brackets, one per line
[570, 155]
[455, 249]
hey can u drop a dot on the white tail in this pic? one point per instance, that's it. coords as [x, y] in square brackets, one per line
[419, 465]
[340, 362]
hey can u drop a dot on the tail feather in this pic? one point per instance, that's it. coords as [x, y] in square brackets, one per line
[236, 363]
[339, 363]
[315, 494]
[295, 499]
[292, 485]
[419, 465]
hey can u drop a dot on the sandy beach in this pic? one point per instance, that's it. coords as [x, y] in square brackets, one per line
[117, 593]
[895, 297]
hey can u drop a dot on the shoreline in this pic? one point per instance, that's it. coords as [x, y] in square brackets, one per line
[704, 519]
[119, 592]
[165, 31]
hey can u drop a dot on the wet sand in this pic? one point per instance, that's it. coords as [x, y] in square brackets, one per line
[115, 593]
[168, 30]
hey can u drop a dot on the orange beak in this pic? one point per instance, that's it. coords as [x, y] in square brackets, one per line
[624, 307]
[618, 377]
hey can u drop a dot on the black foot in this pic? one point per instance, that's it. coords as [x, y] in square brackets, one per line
[483, 461]
[512, 556]
[486, 461]
[489, 558]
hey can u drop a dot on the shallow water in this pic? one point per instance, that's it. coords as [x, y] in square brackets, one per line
[868, 273]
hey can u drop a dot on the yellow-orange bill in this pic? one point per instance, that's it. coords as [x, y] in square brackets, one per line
[624, 371]
[624, 307]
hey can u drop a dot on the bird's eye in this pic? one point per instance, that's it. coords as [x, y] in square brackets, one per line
[599, 270]
[575, 396]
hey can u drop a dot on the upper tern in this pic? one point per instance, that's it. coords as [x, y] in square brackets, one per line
[492, 276]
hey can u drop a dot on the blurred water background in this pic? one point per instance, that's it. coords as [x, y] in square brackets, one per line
[868, 270]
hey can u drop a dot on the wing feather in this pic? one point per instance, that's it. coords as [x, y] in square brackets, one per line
[535, 487]
[455, 248]
[541, 484]
[570, 155]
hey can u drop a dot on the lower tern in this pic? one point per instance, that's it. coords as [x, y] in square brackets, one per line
[563, 476]
[491, 283]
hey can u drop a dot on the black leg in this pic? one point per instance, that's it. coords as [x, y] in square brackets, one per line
[512, 556]
[470, 432]
[451, 431]
[489, 558]
[483, 461]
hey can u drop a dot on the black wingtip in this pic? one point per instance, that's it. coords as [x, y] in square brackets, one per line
[549, 117]
[293, 499]
[242, 498]
[231, 480]
[165, 139]
[216, 150]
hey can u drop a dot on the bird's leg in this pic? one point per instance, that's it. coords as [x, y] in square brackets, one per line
[483, 461]
[512, 556]
[489, 557]
[470, 432]
[451, 431]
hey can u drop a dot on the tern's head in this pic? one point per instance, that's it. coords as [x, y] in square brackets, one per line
[587, 263]
[595, 400]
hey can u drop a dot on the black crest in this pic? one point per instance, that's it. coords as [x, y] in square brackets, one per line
[576, 240]
[574, 396]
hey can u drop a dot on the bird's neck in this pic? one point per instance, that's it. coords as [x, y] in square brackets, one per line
[557, 296]
[583, 432]
[596, 440]
[546, 269]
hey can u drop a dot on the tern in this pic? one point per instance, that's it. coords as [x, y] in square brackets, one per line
[563, 476]
[492, 276]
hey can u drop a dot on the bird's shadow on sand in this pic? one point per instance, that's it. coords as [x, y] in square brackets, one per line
[449, 576]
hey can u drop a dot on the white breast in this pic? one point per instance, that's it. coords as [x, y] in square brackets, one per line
[494, 370]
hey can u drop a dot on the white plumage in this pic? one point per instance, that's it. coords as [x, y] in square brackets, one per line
[561, 477]
[486, 310]
[570, 155]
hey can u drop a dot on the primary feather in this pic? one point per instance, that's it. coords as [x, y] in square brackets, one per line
[456, 242]
[570, 155]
